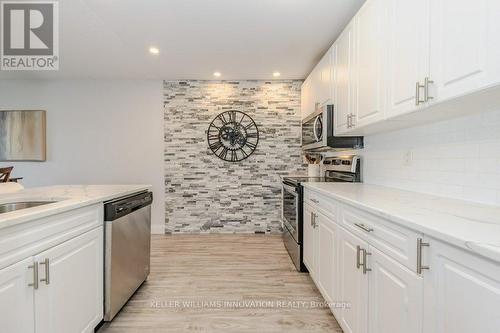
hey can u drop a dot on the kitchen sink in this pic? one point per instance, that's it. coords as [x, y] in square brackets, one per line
[13, 206]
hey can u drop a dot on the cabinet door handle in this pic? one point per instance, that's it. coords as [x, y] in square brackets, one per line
[348, 121]
[352, 121]
[417, 93]
[365, 254]
[46, 263]
[418, 86]
[312, 219]
[315, 201]
[420, 244]
[427, 81]
[315, 225]
[35, 275]
[363, 227]
[358, 260]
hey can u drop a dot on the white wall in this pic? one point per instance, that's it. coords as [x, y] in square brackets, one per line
[98, 132]
[458, 158]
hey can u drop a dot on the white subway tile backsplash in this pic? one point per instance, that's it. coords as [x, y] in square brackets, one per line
[452, 191]
[446, 164]
[489, 149]
[484, 195]
[457, 158]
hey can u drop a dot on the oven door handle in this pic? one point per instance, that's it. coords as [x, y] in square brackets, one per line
[288, 226]
[291, 189]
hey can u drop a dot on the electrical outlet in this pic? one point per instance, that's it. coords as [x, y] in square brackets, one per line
[408, 158]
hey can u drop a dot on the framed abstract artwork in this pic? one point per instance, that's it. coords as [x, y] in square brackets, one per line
[22, 135]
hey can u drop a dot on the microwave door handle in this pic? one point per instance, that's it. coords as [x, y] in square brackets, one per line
[314, 129]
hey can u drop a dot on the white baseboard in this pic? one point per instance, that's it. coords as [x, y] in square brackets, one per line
[158, 229]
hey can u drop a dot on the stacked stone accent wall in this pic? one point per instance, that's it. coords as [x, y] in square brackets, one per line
[207, 194]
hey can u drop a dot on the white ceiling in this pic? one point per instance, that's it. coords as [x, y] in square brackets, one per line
[243, 39]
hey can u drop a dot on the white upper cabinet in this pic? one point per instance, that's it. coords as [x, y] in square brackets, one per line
[461, 291]
[323, 80]
[400, 56]
[464, 47]
[317, 88]
[370, 55]
[408, 57]
[343, 84]
[306, 103]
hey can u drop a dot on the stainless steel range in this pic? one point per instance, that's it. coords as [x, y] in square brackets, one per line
[335, 169]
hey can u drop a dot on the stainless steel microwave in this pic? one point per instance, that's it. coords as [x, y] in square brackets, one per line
[318, 133]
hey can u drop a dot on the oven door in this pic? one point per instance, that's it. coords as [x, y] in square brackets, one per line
[291, 210]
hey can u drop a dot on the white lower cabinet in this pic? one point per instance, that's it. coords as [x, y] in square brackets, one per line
[449, 290]
[17, 298]
[308, 238]
[462, 291]
[321, 233]
[71, 301]
[353, 287]
[384, 295]
[56, 291]
[395, 296]
[327, 261]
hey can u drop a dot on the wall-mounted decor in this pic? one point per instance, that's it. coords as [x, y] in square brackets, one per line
[233, 136]
[204, 194]
[22, 135]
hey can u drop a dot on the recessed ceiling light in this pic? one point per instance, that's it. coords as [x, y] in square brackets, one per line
[217, 74]
[154, 50]
[276, 74]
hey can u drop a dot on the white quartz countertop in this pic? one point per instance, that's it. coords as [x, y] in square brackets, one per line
[68, 197]
[472, 226]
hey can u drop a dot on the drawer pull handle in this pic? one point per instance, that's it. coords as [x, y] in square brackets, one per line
[46, 263]
[363, 227]
[315, 201]
[35, 275]
[420, 244]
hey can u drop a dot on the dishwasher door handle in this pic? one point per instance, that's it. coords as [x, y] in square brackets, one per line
[120, 207]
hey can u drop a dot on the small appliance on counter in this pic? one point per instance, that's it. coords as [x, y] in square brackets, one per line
[334, 169]
[313, 164]
[318, 133]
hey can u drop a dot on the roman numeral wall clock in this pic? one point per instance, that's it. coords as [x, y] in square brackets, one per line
[233, 136]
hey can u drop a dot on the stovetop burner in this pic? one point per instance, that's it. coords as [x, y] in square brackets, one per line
[344, 169]
[298, 179]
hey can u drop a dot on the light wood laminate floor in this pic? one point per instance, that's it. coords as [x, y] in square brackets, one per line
[223, 283]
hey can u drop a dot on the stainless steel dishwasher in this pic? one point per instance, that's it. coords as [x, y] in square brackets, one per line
[127, 237]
